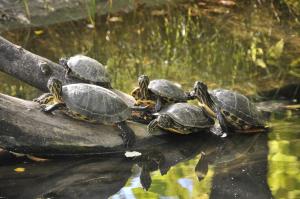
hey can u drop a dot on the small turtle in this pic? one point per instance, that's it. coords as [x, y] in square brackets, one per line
[86, 69]
[158, 92]
[181, 118]
[91, 103]
[233, 110]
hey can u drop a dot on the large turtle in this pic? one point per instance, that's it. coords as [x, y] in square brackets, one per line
[86, 69]
[182, 118]
[158, 92]
[233, 110]
[91, 103]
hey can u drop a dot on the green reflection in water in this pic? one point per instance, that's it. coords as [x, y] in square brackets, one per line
[284, 165]
[180, 182]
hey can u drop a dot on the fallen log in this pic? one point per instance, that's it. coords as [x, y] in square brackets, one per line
[28, 67]
[26, 129]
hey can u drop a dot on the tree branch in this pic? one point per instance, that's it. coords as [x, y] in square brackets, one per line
[24, 65]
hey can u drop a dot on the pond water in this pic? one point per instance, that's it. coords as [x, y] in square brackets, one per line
[248, 46]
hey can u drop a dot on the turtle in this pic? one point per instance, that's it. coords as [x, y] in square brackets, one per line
[181, 118]
[158, 92]
[86, 69]
[91, 103]
[233, 110]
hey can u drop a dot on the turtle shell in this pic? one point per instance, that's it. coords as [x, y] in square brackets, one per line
[95, 102]
[188, 115]
[237, 105]
[167, 89]
[88, 69]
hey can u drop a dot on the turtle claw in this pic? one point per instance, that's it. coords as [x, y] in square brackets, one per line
[217, 130]
[49, 108]
[43, 107]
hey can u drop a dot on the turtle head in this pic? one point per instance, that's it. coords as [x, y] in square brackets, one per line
[165, 121]
[63, 61]
[143, 84]
[55, 88]
[200, 91]
[143, 81]
[202, 94]
[200, 88]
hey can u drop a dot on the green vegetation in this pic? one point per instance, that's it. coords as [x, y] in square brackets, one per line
[169, 185]
[183, 42]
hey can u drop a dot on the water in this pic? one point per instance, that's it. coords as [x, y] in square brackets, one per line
[249, 47]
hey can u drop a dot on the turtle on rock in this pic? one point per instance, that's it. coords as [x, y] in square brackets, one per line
[86, 69]
[91, 103]
[158, 92]
[233, 110]
[182, 118]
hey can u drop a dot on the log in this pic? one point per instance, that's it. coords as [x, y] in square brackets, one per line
[25, 66]
[36, 70]
[25, 129]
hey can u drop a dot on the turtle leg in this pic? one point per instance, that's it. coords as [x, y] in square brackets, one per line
[141, 114]
[201, 168]
[127, 134]
[217, 130]
[53, 107]
[44, 98]
[222, 123]
[68, 71]
[158, 104]
[152, 126]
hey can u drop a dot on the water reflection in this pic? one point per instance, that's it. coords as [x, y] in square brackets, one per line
[237, 168]
[242, 161]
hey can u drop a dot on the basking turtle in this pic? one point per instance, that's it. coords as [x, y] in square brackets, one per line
[91, 103]
[232, 109]
[86, 69]
[46, 98]
[158, 92]
[181, 118]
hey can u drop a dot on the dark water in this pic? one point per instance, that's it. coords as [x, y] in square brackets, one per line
[246, 46]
